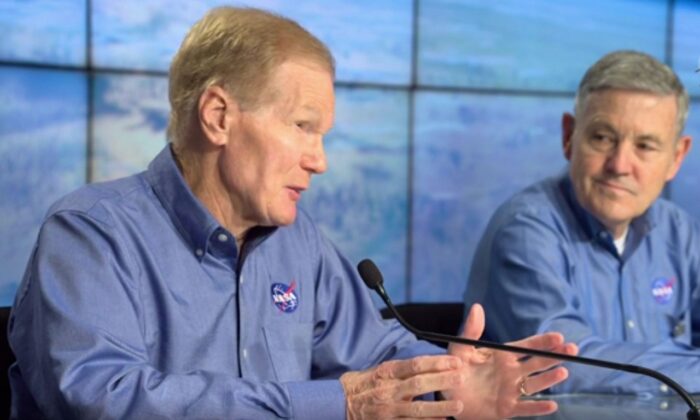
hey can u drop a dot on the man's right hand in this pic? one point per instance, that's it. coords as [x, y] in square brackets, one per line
[388, 390]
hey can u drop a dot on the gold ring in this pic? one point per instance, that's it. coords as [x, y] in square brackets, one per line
[523, 391]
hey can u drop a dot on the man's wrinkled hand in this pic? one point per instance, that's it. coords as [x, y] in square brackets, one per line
[495, 381]
[388, 390]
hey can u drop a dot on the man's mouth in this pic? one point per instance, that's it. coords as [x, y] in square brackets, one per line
[615, 186]
[295, 192]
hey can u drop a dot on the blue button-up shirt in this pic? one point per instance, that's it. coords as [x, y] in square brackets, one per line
[545, 264]
[136, 303]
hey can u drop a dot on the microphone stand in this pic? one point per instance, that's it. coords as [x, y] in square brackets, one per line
[373, 279]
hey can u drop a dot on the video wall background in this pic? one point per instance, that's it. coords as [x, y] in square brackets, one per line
[445, 108]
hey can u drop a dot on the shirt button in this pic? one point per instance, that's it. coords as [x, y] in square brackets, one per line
[240, 280]
[663, 405]
[663, 388]
[199, 252]
[630, 323]
[245, 353]
[222, 237]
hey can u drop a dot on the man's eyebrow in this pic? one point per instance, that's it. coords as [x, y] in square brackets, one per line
[601, 124]
[649, 137]
[604, 125]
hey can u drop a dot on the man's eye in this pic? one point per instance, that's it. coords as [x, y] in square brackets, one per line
[304, 125]
[646, 146]
[601, 138]
[601, 141]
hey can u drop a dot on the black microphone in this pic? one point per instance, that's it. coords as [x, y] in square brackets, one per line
[374, 280]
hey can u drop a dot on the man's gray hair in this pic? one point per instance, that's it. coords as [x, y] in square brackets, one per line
[633, 70]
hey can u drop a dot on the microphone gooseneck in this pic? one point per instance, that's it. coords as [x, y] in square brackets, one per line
[373, 279]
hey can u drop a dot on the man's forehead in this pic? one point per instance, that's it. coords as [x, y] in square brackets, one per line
[601, 104]
[300, 68]
[616, 96]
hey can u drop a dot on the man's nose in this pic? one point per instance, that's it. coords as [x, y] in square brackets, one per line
[314, 159]
[619, 160]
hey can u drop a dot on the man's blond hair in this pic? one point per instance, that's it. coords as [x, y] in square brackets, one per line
[237, 49]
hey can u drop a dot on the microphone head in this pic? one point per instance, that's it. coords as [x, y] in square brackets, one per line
[370, 274]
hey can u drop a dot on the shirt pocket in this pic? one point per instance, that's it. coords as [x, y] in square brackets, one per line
[289, 347]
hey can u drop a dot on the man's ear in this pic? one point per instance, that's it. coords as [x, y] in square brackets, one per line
[218, 113]
[682, 147]
[568, 123]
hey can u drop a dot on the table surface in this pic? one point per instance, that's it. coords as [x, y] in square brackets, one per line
[617, 407]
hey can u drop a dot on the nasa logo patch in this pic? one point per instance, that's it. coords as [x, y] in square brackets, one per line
[284, 297]
[662, 289]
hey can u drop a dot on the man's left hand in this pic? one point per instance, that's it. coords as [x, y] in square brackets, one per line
[496, 380]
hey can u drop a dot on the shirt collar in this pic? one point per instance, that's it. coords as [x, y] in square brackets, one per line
[639, 227]
[191, 218]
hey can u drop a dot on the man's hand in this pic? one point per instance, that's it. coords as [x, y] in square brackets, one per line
[387, 391]
[491, 388]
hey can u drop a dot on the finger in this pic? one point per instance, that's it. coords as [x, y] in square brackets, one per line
[427, 383]
[403, 369]
[473, 329]
[546, 341]
[528, 408]
[428, 409]
[566, 348]
[475, 322]
[544, 380]
[537, 364]
[570, 349]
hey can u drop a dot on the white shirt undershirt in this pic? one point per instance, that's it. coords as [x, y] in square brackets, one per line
[620, 242]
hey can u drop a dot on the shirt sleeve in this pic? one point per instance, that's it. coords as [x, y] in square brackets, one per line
[77, 333]
[350, 333]
[529, 292]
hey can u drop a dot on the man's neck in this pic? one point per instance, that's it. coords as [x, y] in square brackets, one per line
[200, 174]
[618, 231]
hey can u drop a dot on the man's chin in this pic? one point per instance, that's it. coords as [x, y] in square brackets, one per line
[286, 219]
[613, 220]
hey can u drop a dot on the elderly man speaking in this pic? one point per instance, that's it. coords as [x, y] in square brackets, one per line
[198, 289]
